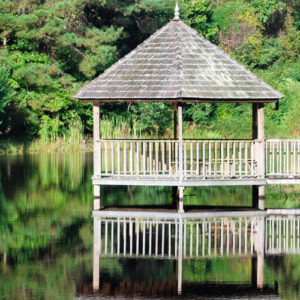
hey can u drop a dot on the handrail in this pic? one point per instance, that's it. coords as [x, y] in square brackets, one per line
[174, 140]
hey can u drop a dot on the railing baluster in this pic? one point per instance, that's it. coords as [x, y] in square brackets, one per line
[144, 158]
[203, 160]
[246, 159]
[112, 238]
[197, 158]
[112, 157]
[150, 155]
[176, 158]
[144, 238]
[222, 159]
[150, 237]
[125, 158]
[203, 238]
[163, 239]
[119, 159]
[169, 240]
[156, 159]
[185, 158]
[170, 158]
[233, 171]
[137, 232]
[215, 159]
[191, 239]
[118, 236]
[197, 239]
[131, 158]
[240, 159]
[252, 158]
[228, 158]
[106, 157]
[191, 158]
[137, 158]
[209, 158]
[163, 157]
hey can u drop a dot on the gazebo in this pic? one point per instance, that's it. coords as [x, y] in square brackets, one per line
[178, 65]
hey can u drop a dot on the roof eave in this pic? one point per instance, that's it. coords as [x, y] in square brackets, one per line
[183, 99]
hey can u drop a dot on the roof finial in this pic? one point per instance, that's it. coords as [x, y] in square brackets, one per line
[176, 12]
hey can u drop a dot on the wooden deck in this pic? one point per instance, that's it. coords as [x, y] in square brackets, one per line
[197, 162]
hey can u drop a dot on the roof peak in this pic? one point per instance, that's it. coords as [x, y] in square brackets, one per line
[176, 12]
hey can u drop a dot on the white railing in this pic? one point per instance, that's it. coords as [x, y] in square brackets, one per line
[204, 158]
[282, 234]
[195, 238]
[282, 157]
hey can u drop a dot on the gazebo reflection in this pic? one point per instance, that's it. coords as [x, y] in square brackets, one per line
[178, 237]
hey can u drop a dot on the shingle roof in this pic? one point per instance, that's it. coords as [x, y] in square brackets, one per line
[177, 63]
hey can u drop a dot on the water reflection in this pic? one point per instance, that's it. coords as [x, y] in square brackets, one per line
[171, 236]
[46, 238]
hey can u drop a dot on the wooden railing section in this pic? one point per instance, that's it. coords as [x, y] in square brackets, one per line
[205, 158]
[155, 237]
[282, 157]
[282, 234]
[199, 158]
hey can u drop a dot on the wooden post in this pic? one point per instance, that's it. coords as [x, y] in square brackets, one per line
[96, 254]
[254, 121]
[258, 133]
[261, 137]
[179, 258]
[175, 120]
[180, 140]
[97, 152]
[260, 252]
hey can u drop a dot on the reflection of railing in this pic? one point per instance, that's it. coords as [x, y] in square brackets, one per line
[205, 158]
[157, 237]
[282, 234]
[282, 157]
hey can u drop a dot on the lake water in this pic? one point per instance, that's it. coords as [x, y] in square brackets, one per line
[46, 239]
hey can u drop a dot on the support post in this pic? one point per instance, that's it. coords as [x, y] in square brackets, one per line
[258, 197]
[175, 121]
[174, 134]
[254, 121]
[261, 140]
[97, 152]
[97, 192]
[96, 138]
[96, 254]
[180, 140]
[258, 134]
[260, 252]
[180, 199]
[179, 259]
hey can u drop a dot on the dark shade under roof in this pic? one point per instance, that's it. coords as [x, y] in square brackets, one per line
[177, 64]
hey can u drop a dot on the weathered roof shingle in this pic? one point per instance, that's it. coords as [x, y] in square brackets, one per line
[177, 63]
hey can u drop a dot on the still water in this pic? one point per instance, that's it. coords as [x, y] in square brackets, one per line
[46, 239]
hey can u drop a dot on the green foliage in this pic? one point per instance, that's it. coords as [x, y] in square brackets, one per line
[51, 48]
[199, 14]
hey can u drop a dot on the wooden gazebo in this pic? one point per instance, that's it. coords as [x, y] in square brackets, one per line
[177, 65]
